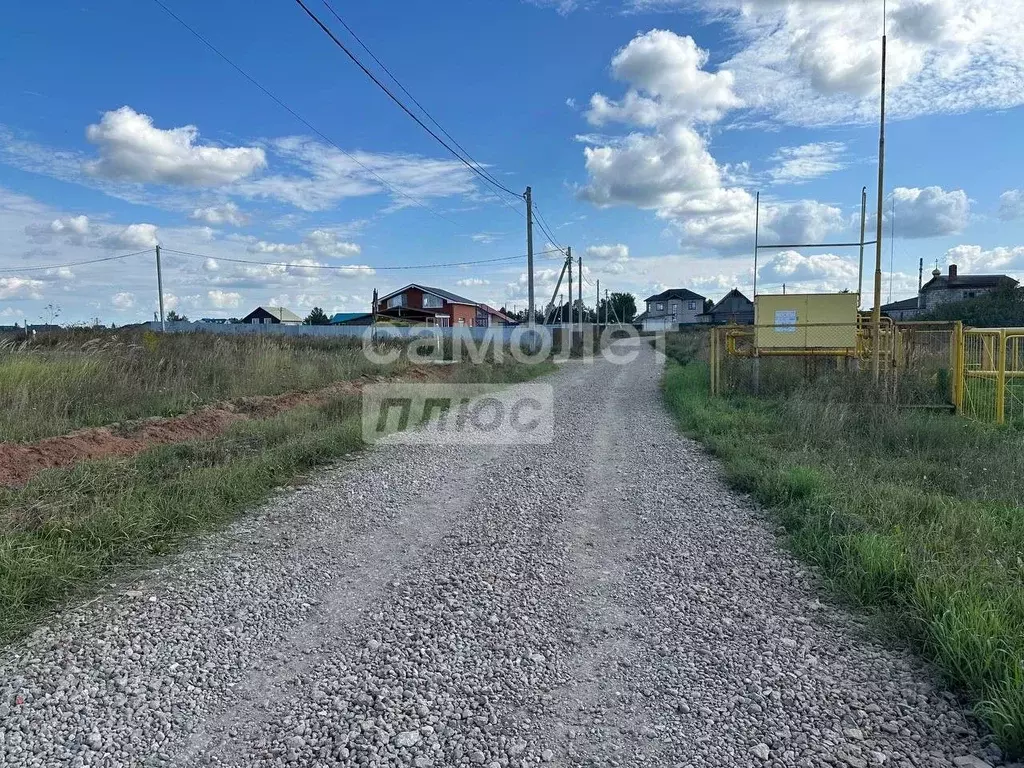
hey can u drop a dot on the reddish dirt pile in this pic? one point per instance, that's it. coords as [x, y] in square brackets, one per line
[20, 462]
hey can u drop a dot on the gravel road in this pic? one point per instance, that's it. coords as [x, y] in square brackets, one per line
[603, 600]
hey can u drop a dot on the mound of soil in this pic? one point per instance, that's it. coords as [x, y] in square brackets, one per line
[20, 462]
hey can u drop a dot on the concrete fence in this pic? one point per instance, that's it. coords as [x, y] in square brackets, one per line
[502, 334]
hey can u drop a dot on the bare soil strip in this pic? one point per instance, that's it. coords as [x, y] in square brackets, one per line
[20, 462]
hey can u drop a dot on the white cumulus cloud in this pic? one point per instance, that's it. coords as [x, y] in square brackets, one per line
[812, 62]
[928, 212]
[824, 271]
[1011, 205]
[224, 299]
[131, 148]
[134, 236]
[123, 300]
[21, 288]
[665, 72]
[975, 259]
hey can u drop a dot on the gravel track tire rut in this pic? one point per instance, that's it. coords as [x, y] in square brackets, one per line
[603, 600]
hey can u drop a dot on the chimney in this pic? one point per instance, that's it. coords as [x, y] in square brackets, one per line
[952, 271]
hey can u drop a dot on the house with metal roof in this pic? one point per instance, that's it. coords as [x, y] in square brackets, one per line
[272, 316]
[423, 304]
[945, 289]
[352, 318]
[669, 309]
[734, 307]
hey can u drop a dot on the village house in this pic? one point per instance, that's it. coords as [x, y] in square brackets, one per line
[437, 307]
[944, 289]
[667, 310]
[272, 316]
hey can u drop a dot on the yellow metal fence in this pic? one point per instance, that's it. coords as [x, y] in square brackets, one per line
[991, 373]
[979, 371]
[917, 361]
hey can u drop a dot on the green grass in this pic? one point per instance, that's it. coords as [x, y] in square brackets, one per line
[68, 529]
[89, 379]
[920, 515]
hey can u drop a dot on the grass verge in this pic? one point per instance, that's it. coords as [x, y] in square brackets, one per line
[91, 379]
[67, 529]
[918, 514]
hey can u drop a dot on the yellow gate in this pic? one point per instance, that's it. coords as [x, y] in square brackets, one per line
[992, 375]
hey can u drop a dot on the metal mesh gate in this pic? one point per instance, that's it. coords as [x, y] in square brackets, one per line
[992, 375]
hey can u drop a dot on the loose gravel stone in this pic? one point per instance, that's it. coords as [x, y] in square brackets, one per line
[604, 598]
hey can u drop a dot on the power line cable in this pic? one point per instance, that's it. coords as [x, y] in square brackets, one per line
[344, 268]
[405, 90]
[75, 263]
[542, 223]
[401, 104]
[304, 121]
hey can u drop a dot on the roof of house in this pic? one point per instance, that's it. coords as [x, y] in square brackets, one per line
[343, 317]
[448, 295]
[902, 304]
[967, 281]
[676, 293]
[640, 318]
[497, 313]
[734, 293]
[282, 314]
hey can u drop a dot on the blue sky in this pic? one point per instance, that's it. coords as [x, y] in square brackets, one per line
[644, 127]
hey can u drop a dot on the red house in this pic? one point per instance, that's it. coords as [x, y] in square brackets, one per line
[436, 306]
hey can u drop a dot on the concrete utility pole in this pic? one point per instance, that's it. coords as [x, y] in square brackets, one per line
[597, 304]
[160, 288]
[568, 260]
[579, 291]
[608, 308]
[529, 250]
[876, 313]
[863, 224]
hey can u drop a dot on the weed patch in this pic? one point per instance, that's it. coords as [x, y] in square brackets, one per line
[920, 515]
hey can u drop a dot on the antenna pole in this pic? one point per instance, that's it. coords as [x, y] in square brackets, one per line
[876, 313]
[757, 223]
[863, 224]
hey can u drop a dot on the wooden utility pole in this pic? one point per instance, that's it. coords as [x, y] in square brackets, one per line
[529, 251]
[160, 288]
[876, 312]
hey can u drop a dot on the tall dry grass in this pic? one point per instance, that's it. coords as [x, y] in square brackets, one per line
[92, 379]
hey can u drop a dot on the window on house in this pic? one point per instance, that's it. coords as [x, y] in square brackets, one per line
[430, 301]
[255, 321]
[693, 305]
[970, 294]
[397, 301]
[659, 305]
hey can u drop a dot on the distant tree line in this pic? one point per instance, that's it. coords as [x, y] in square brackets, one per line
[622, 305]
